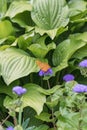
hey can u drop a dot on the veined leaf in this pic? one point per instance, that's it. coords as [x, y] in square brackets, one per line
[64, 51]
[34, 98]
[52, 33]
[15, 64]
[18, 7]
[50, 15]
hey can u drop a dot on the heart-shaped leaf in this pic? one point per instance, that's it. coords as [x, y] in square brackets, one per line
[50, 16]
[15, 64]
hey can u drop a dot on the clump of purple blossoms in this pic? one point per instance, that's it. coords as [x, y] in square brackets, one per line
[80, 88]
[83, 64]
[19, 90]
[68, 77]
[48, 72]
[10, 128]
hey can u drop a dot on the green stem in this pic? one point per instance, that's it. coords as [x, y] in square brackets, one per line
[20, 116]
[80, 111]
[52, 108]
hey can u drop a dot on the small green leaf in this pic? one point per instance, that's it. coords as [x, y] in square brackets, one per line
[44, 117]
[39, 49]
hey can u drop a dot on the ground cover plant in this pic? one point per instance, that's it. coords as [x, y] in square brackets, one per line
[43, 64]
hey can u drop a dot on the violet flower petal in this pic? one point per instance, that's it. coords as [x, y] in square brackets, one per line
[19, 90]
[80, 88]
[10, 128]
[48, 72]
[41, 73]
[68, 77]
[83, 63]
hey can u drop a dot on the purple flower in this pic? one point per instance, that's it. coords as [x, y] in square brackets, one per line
[80, 88]
[68, 77]
[19, 90]
[83, 64]
[48, 72]
[10, 128]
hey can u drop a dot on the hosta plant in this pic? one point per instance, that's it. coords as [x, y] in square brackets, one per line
[43, 53]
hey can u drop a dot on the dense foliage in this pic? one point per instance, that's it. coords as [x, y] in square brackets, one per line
[41, 41]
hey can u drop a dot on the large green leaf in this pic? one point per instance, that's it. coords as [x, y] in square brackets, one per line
[34, 98]
[18, 7]
[6, 29]
[15, 64]
[64, 51]
[50, 15]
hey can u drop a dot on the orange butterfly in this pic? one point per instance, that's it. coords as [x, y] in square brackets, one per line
[43, 66]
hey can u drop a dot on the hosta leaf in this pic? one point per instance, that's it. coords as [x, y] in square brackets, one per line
[50, 15]
[15, 64]
[40, 49]
[64, 51]
[6, 29]
[77, 6]
[18, 7]
[80, 36]
[81, 53]
[22, 19]
[52, 33]
[34, 98]
[44, 117]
